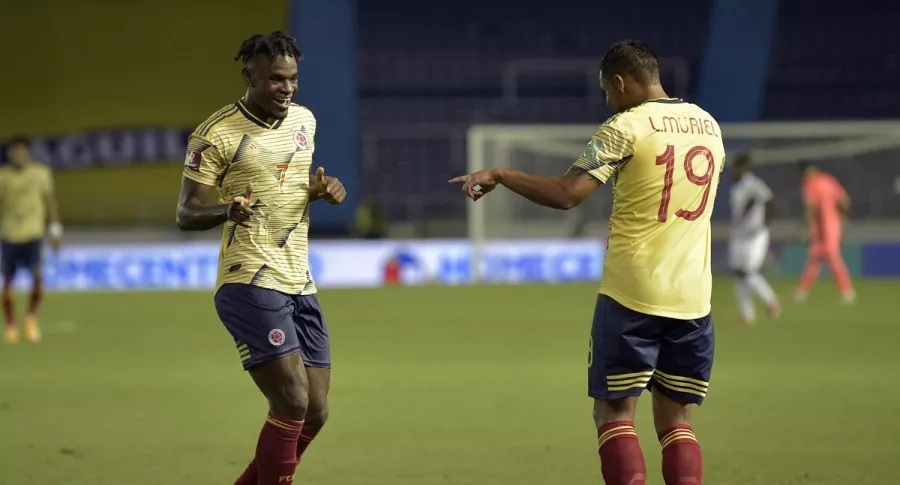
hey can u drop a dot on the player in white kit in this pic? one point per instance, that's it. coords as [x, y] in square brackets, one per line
[751, 204]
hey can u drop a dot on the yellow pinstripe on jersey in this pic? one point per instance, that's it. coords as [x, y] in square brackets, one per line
[664, 157]
[24, 202]
[233, 148]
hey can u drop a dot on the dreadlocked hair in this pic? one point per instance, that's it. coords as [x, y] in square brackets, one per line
[275, 44]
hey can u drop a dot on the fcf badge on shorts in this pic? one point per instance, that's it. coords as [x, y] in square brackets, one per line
[300, 139]
[276, 337]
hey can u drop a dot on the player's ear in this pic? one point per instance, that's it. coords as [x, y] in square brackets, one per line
[248, 76]
[619, 83]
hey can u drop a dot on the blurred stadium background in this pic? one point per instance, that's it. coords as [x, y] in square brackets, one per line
[408, 94]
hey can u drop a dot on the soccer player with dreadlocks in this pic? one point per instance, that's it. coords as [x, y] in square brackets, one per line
[257, 154]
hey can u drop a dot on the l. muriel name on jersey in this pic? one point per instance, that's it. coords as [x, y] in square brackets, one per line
[687, 125]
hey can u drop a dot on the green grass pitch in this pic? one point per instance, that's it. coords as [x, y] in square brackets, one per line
[438, 385]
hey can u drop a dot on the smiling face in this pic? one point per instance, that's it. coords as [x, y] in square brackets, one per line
[271, 84]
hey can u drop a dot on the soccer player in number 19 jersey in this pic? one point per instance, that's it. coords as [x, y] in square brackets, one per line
[652, 325]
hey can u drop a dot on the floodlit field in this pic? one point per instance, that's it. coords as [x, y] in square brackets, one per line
[436, 385]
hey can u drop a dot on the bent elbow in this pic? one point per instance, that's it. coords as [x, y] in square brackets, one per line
[566, 205]
[569, 202]
[570, 196]
[181, 221]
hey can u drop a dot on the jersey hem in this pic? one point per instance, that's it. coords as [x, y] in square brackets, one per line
[650, 309]
[27, 240]
[302, 292]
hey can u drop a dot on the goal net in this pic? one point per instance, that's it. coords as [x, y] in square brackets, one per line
[864, 155]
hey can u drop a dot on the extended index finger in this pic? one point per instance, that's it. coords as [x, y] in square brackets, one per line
[461, 178]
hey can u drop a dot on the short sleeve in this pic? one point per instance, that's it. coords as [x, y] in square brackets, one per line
[608, 151]
[838, 189]
[47, 181]
[204, 161]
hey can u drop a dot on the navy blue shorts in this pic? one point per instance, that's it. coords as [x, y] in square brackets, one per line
[631, 351]
[267, 324]
[26, 255]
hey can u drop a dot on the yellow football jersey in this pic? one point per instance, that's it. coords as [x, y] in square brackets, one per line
[24, 205]
[664, 157]
[233, 148]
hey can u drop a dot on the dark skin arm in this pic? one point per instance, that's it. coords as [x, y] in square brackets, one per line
[52, 208]
[329, 189]
[810, 213]
[314, 189]
[52, 216]
[809, 216]
[844, 206]
[770, 209]
[194, 214]
[562, 193]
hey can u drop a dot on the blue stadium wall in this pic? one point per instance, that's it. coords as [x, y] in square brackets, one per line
[326, 31]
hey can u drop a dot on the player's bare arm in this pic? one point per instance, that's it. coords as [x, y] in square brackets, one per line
[195, 214]
[329, 189]
[54, 226]
[770, 210]
[562, 193]
[844, 205]
[810, 215]
[809, 218]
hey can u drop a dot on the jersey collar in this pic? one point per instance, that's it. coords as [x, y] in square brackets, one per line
[666, 100]
[250, 116]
